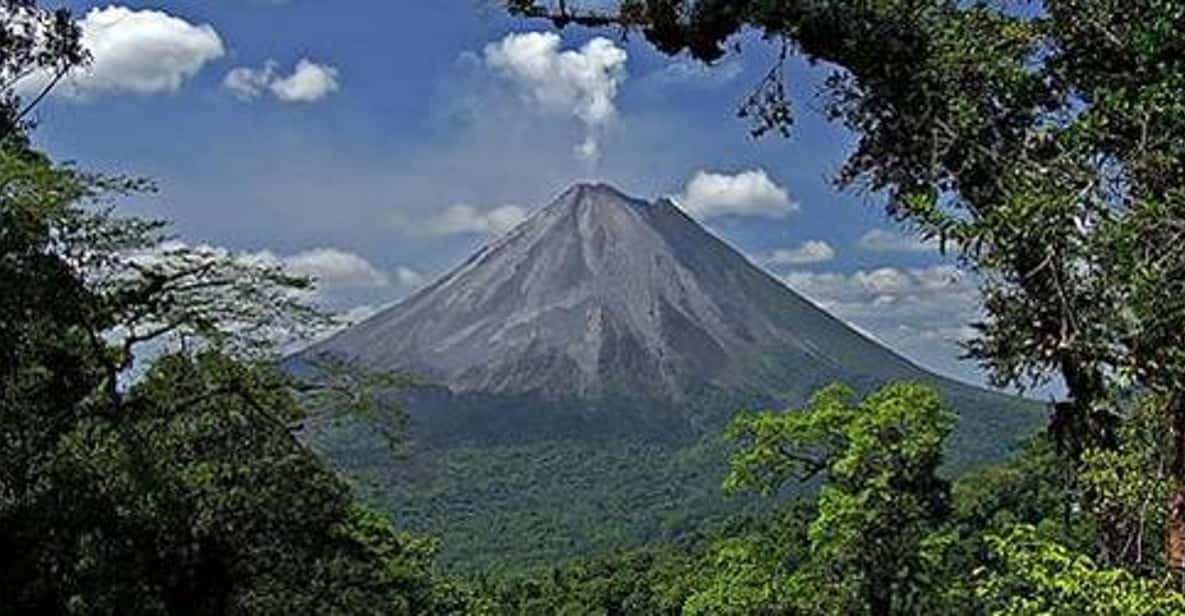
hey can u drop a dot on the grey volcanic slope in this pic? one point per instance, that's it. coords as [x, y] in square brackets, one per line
[601, 294]
[591, 357]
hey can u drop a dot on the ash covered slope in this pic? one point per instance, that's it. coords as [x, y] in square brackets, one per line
[600, 293]
[593, 356]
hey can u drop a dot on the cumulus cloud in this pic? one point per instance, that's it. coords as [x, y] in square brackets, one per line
[813, 251]
[580, 83]
[309, 82]
[330, 268]
[748, 193]
[134, 51]
[923, 312]
[248, 84]
[463, 219]
[881, 240]
[687, 71]
[408, 277]
[851, 292]
[333, 268]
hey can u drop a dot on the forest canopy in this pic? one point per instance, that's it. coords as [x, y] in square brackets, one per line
[1042, 143]
[153, 457]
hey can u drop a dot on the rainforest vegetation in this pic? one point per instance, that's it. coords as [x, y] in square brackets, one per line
[1042, 144]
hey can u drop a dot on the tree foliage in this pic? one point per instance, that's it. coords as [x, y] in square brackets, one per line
[34, 42]
[150, 460]
[1043, 143]
[185, 490]
[881, 496]
[1033, 575]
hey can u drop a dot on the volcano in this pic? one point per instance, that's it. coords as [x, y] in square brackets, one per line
[608, 337]
[600, 294]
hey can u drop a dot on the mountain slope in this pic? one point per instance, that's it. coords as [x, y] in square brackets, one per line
[598, 293]
[586, 363]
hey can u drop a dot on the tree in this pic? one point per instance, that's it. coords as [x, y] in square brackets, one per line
[185, 489]
[881, 497]
[736, 568]
[36, 46]
[745, 578]
[1032, 575]
[191, 502]
[1129, 488]
[1044, 144]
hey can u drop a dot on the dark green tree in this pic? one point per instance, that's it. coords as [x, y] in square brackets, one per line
[1043, 143]
[150, 451]
[38, 47]
[881, 500]
[1030, 574]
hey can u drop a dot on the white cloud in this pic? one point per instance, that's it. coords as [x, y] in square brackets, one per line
[748, 193]
[408, 277]
[881, 240]
[463, 219]
[687, 71]
[334, 269]
[135, 51]
[309, 82]
[248, 83]
[581, 83]
[813, 251]
[920, 287]
[331, 268]
[922, 312]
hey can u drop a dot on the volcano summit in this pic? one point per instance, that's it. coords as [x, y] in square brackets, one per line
[602, 294]
[604, 321]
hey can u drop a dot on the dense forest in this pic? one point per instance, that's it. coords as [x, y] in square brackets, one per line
[1041, 144]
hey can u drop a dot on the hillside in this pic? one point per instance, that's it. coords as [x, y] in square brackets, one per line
[591, 356]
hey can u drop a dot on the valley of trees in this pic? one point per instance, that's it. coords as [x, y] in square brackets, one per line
[1043, 145]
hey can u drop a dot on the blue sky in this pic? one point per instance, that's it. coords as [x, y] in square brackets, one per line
[376, 144]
